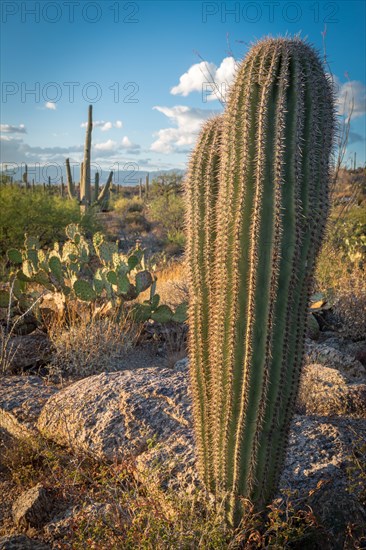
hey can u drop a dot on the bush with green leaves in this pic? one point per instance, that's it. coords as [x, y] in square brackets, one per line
[169, 211]
[37, 213]
[89, 271]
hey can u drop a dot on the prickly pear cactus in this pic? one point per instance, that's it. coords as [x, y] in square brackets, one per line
[257, 203]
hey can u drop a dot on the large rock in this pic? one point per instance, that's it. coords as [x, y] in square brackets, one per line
[147, 413]
[27, 352]
[114, 415]
[32, 508]
[21, 401]
[325, 391]
[332, 354]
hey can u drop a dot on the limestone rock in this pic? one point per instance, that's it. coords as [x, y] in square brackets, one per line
[32, 508]
[21, 401]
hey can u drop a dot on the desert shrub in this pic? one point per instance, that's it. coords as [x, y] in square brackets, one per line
[347, 234]
[123, 205]
[169, 211]
[90, 346]
[177, 237]
[37, 213]
[135, 223]
[340, 272]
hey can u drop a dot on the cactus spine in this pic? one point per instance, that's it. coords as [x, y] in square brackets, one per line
[249, 302]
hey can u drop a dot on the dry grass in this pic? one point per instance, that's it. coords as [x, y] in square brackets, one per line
[345, 285]
[172, 284]
[90, 347]
[111, 510]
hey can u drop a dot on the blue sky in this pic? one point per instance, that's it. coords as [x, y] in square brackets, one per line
[141, 64]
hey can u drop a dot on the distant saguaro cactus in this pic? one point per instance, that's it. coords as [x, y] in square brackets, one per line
[85, 182]
[257, 203]
[25, 177]
[85, 175]
[96, 186]
[70, 185]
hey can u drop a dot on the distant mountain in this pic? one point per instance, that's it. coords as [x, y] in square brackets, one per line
[123, 177]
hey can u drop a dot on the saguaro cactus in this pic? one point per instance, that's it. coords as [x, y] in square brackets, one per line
[25, 177]
[70, 184]
[96, 186]
[254, 232]
[85, 183]
[85, 174]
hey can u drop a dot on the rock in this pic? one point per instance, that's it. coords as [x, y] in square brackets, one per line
[21, 401]
[313, 329]
[315, 470]
[356, 399]
[116, 414]
[61, 525]
[361, 355]
[325, 391]
[334, 358]
[52, 307]
[337, 509]
[147, 413]
[29, 352]
[21, 542]
[32, 508]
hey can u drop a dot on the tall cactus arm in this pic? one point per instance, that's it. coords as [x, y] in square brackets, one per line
[104, 192]
[70, 185]
[201, 187]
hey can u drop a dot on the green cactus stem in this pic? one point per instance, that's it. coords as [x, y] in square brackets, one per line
[96, 186]
[25, 177]
[103, 197]
[70, 185]
[250, 285]
[85, 183]
[201, 194]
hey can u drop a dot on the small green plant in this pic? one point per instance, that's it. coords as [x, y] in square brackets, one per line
[88, 271]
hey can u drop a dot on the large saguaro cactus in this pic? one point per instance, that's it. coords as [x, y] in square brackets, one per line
[254, 231]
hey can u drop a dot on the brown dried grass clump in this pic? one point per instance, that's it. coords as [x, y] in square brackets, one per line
[90, 347]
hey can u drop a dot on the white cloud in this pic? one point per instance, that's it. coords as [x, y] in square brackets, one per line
[109, 145]
[188, 121]
[206, 77]
[104, 126]
[107, 126]
[10, 129]
[50, 105]
[348, 93]
[126, 142]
